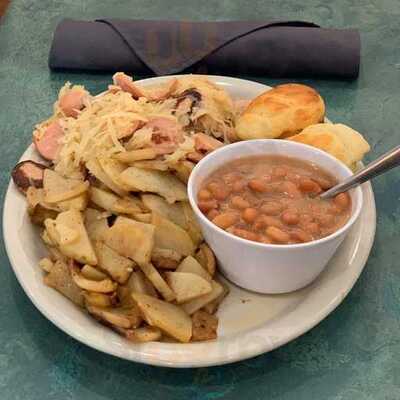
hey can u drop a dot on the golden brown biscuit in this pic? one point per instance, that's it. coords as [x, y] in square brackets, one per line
[339, 140]
[282, 111]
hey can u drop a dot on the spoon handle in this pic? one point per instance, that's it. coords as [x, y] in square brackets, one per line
[382, 164]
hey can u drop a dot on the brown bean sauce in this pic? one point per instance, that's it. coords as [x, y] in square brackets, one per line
[273, 199]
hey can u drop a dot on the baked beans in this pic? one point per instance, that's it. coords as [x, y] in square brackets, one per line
[273, 199]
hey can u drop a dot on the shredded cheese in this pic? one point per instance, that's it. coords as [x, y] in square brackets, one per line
[104, 126]
[96, 130]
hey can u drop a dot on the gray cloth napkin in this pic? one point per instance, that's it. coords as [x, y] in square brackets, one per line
[275, 49]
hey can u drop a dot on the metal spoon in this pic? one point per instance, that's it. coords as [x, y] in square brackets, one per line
[382, 164]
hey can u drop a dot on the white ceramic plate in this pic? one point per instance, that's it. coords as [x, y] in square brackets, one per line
[250, 324]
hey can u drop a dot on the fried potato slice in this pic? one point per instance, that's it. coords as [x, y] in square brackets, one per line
[143, 334]
[190, 264]
[187, 286]
[50, 234]
[46, 264]
[171, 236]
[157, 165]
[103, 199]
[39, 210]
[165, 258]
[192, 306]
[93, 273]
[167, 253]
[110, 202]
[128, 205]
[131, 239]
[117, 266]
[173, 212]
[77, 203]
[120, 317]
[55, 254]
[96, 224]
[206, 258]
[113, 169]
[138, 283]
[168, 317]
[163, 183]
[95, 169]
[39, 214]
[182, 170]
[132, 312]
[136, 155]
[158, 281]
[98, 299]
[57, 188]
[212, 307]
[204, 326]
[80, 249]
[35, 198]
[104, 286]
[48, 242]
[66, 234]
[60, 278]
[191, 225]
[142, 217]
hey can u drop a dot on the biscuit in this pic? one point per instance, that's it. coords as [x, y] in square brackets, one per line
[280, 112]
[339, 140]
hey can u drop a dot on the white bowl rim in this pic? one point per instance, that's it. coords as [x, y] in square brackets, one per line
[273, 247]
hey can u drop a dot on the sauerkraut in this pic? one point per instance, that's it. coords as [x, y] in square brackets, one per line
[115, 122]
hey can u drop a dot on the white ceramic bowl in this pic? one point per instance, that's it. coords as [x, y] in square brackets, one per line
[269, 268]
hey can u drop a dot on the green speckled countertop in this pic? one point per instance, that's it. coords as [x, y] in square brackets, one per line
[352, 355]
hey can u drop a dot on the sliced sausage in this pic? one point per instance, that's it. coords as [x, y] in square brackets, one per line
[49, 143]
[72, 102]
[195, 156]
[28, 173]
[125, 82]
[167, 134]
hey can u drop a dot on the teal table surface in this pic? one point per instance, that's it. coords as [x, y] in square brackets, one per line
[354, 354]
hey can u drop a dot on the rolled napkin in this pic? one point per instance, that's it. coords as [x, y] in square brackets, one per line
[275, 49]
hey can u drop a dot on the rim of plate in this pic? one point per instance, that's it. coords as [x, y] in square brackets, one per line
[224, 350]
